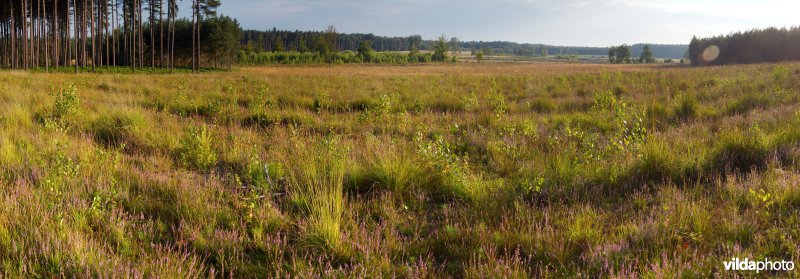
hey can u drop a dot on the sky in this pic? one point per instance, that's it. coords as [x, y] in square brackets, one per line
[554, 22]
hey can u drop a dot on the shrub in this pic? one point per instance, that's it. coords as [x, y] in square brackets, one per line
[449, 175]
[630, 126]
[781, 73]
[258, 174]
[65, 101]
[498, 103]
[471, 102]
[196, 148]
[61, 170]
[264, 101]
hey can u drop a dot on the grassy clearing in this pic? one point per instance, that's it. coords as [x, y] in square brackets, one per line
[478, 171]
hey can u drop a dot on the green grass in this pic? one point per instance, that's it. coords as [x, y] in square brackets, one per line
[469, 170]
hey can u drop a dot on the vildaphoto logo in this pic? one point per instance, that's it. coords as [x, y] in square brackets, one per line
[758, 266]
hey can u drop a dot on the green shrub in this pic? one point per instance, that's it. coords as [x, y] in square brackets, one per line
[498, 103]
[196, 148]
[471, 102]
[630, 127]
[449, 175]
[781, 74]
[60, 171]
[65, 101]
[258, 174]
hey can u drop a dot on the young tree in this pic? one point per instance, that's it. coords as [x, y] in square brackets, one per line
[330, 38]
[365, 50]
[623, 54]
[440, 49]
[647, 55]
[694, 51]
[202, 8]
[223, 35]
[455, 46]
[414, 42]
[326, 44]
[323, 49]
[277, 45]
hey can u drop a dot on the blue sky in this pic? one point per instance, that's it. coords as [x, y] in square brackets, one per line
[564, 22]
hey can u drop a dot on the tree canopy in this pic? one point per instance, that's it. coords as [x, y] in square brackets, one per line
[620, 54]
[754, 46]
[647, 55]
[440, 49]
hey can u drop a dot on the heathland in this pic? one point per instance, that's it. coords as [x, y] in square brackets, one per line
[459, 170]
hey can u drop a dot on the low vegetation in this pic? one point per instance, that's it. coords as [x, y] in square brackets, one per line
[473, 170]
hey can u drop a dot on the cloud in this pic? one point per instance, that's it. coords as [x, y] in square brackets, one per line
[781, 10]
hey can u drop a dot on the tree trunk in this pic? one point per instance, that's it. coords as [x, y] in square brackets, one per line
[94, 38]
[152, 38]
[194, 33]
[13, 40]
[55, 34]
[44, 35]
[75, 25]
[24, 17]
[161, 32]
[172, 42]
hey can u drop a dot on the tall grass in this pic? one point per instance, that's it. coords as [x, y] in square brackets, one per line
[315, 181]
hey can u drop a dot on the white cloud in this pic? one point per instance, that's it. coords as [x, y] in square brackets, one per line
[775, 10]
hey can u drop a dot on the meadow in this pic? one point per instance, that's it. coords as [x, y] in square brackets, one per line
[460, 170]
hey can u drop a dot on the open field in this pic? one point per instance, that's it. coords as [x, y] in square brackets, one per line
[468, 170]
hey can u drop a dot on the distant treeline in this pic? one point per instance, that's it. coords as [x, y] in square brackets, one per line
[754, 46]
[345, 57]
[660, 51]
[305, 41]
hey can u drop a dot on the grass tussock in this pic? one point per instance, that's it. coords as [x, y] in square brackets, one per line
[315, 184]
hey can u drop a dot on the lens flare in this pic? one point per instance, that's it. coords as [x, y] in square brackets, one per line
[710, 53]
